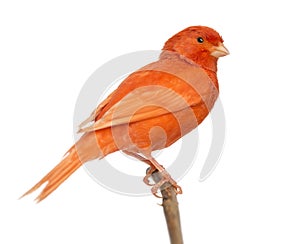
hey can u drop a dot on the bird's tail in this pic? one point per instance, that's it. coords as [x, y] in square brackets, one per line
[69, 164]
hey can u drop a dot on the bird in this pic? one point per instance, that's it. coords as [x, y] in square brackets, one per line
[151, 109]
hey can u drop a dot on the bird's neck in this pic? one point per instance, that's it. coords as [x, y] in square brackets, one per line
[209, 64]
[181, 66]
[206, 61]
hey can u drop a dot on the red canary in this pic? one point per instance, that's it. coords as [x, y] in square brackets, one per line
[151, 109]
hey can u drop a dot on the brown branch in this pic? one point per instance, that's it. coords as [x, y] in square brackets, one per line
[171, 210]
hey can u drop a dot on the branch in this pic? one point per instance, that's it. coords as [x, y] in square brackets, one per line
[171, 210]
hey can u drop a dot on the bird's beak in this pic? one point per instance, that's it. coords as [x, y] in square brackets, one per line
[219, 51]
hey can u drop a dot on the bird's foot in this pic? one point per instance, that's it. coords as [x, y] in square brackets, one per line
[149, 173]
[165, 178]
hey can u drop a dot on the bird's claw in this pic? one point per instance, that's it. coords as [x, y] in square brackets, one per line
[166, 178]
[148, 175]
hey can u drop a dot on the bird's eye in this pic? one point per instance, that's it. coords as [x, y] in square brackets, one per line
[200, 39]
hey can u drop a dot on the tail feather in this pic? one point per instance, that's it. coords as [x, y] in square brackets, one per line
[57, 175]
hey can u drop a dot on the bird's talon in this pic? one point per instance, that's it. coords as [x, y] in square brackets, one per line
[156, 195]
[146, 181]
[178, 189]
[149, 173]
[165, 178]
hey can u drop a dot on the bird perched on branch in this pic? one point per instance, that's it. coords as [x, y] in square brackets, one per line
[151, 109]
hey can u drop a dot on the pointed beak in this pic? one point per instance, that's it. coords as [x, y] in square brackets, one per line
[219, 51]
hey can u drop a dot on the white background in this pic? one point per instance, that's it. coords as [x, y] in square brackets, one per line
[48, 51]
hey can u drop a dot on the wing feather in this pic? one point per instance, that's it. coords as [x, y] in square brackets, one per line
[158, 89]
[140, 104]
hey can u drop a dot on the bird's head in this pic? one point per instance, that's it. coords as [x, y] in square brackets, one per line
[200, 44]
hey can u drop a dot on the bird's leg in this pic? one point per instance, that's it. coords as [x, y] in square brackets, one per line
[147, 161]
[165, 177]
[154, 165]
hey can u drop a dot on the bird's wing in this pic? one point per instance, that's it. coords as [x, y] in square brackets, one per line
[96, 112]
[144, 95]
